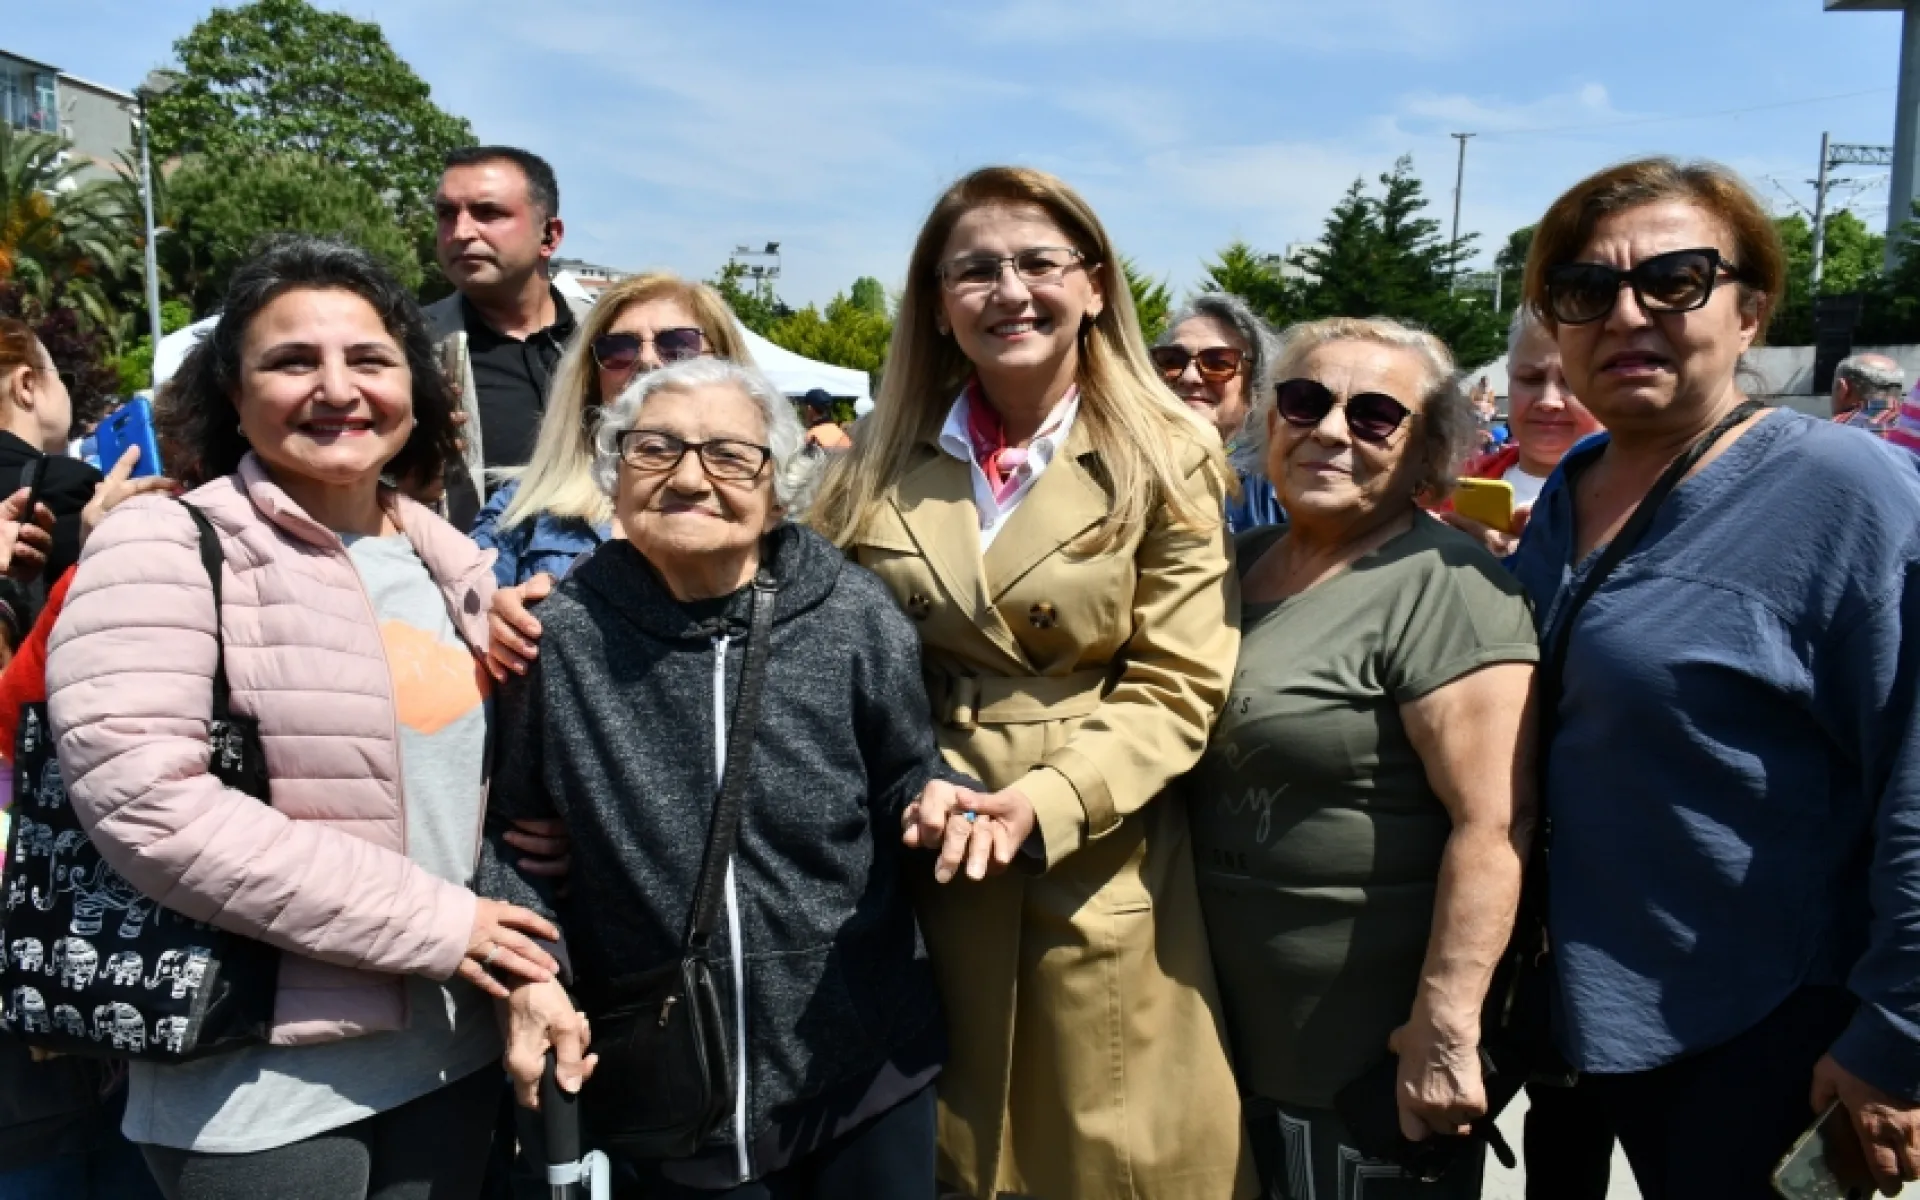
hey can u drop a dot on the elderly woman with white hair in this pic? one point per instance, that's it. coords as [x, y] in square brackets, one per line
[1217, 356]
[642, 703]
[1361, 810]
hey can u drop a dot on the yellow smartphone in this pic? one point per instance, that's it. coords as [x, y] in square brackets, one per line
[1488, 501]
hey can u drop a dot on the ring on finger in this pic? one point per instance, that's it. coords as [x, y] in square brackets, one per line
[492, 951]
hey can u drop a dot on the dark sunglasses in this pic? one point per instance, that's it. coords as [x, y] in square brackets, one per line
[620, 351]
[1217, 363]
[1371, 416]
[1678, 281]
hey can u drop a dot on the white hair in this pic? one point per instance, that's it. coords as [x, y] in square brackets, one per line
[796, 471]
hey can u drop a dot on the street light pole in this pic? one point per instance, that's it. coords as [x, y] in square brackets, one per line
[146, 200]
[1459, 185]
[1820, 212]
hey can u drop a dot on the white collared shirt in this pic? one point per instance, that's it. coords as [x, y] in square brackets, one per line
[1052, 438]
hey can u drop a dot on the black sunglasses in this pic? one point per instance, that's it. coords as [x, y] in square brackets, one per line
[620, 351]
[1678, 281]
[1217, 364]
[1371, 416]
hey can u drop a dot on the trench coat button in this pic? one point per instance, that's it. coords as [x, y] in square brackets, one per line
[1043, 616]
[919, 607]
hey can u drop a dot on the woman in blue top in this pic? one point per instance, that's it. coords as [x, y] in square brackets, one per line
[552, 512]
[1733, 777]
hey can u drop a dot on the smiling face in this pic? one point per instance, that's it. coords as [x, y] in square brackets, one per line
[1325, 474]
[1636, 369]
[1545, 417]
[325, 394]
[1222, 405]
[645, 320]
[1014, 331]
[690, 526]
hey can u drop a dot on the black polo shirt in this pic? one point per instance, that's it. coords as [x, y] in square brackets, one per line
[511, 377]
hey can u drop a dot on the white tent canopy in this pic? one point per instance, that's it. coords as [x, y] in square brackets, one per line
[796, 376]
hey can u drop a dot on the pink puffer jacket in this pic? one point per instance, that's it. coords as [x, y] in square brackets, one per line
[322, 872]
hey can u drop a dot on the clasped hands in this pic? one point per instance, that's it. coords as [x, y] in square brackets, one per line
[984, 831]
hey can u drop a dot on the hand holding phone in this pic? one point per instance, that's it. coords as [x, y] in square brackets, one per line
[1488, 501]
[130, 427]
[1827, 1163]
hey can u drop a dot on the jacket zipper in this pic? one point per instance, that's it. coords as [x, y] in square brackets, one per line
[737, 934]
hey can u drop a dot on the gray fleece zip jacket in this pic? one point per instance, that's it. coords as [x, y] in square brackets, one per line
[614, 730]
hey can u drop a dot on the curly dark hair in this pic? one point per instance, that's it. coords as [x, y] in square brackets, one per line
[196, 413]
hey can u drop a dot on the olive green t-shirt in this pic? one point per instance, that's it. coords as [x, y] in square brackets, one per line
[1317, 836]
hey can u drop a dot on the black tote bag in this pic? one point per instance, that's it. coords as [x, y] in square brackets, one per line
[88, 964]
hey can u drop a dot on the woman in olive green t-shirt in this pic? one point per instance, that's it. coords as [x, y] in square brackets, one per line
[1360, 816]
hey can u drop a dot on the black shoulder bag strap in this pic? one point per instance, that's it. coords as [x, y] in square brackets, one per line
[734, 773]
[214, 561]
[1554, 662]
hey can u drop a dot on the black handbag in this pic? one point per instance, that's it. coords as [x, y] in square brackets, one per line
[666, 1077]
[88, 964]
[1516, 1043]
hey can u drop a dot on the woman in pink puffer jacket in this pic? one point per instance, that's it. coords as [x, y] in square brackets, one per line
[351, 616]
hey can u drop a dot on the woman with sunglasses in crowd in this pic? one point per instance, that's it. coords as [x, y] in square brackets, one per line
[1732, 780]
[553, 512]
[1215, 356]
[1361, 812]
[1048, 515]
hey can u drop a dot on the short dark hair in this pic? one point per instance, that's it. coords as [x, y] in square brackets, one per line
[197, 415]
[543, 190]
[1708, 186]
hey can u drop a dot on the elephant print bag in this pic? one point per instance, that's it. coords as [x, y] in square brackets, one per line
[89, 965]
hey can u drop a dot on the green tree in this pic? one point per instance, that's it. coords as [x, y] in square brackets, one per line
[1256, 278]
[134, 364]
[1892, 309]
[1851, 262]
[279, 77]
[1511, 262]
[224, 208]
[54, 245]
[757, 310]
[1152, 302]
[847, 334]
[866, 293]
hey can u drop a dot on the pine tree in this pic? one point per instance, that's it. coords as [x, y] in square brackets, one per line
[1244, 272]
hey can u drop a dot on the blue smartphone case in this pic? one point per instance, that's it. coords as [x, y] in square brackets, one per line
[129, 425]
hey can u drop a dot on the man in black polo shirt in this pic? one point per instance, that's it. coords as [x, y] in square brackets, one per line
[501, 332]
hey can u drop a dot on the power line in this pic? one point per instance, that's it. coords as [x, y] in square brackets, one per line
[1725, 112]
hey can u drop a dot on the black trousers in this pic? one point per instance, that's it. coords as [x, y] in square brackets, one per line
[1568, 1144]
[889, 1158]
[1718, 1122]
[433, 1148]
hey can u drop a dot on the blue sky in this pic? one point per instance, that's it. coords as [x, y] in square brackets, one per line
[681, 129]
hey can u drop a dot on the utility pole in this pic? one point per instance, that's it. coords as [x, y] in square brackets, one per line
[1820, 211]
[1459, 184]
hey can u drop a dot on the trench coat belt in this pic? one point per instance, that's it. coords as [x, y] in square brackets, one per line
[967, 701]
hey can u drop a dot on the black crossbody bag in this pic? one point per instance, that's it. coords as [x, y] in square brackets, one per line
[666, 1077]
[1516, 1046]
[88, 964]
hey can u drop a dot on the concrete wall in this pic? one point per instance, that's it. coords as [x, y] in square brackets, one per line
[98, 121]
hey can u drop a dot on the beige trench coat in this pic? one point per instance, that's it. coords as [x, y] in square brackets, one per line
[1088, 1056]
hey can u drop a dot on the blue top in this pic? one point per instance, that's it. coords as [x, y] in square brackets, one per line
[1258, 504]
[544, 545]
[1735, 781]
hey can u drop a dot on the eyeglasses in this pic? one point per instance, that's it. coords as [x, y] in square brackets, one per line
[1217, 363]
[656, 452]
[1678, 281]
[620, 351]
[1041, 266]
[1371, 416]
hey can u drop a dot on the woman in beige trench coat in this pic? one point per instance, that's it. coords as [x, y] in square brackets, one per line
[1051, 518]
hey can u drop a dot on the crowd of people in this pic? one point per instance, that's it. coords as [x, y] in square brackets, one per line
[1103, 771]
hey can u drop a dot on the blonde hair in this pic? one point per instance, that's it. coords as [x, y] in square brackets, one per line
[558, 479]
[1136, 425]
